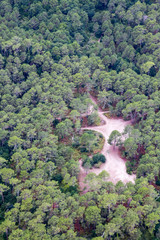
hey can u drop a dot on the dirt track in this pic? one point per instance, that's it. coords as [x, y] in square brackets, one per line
[114, 165]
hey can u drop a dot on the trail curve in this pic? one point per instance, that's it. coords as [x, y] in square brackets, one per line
[114, 164]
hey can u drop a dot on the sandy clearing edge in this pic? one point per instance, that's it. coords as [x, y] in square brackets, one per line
[114, 165]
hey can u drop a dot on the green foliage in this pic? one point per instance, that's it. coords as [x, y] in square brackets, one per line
[92, 215]
[88, 141]
[91, 141]
[64, 129]
[93, 119]
[98, 158]
[114, 138]
[52, 54]
[89, 162]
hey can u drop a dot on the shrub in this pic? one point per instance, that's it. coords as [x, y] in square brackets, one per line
[86, 159]
[98, 158]
[93, 119]
[95, 160]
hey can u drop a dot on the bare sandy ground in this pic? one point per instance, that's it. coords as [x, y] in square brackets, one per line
[114, 164]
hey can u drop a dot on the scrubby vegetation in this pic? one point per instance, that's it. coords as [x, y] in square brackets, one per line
[98, 158]
[89, 162]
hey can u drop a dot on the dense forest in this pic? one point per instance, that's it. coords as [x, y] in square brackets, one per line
[53, 55]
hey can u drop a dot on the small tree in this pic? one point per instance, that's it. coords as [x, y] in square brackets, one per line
[64, 129]
[114, 138]
[87, 141]
[92, 215]
[74, 115]
[93, 119]
[3, 188]
[87, 166]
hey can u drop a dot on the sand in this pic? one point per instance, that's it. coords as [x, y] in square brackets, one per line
[114, 164]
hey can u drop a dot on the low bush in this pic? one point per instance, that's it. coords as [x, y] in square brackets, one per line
[98, 158]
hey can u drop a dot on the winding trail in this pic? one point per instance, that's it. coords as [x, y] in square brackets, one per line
[114, 164]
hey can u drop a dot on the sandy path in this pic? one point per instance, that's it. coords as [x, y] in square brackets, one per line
[114, 165]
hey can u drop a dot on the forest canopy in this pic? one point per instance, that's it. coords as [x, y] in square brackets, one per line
[53, 54]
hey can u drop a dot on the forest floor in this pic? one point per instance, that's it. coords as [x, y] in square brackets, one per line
[114, 164]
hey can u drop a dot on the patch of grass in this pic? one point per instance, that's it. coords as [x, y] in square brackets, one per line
[108, 115]
[97, 165]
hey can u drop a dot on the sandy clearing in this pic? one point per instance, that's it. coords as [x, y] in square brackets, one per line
[114, 165]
